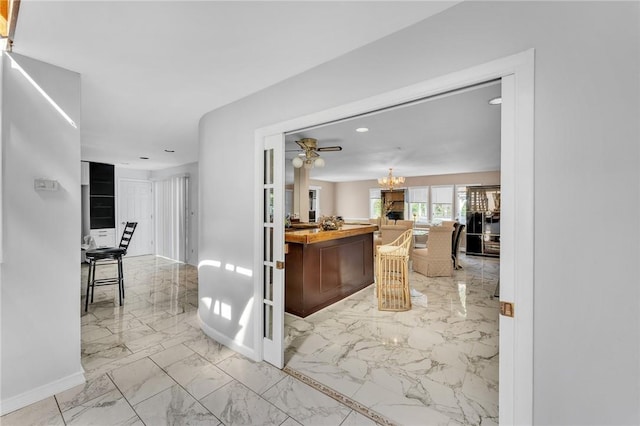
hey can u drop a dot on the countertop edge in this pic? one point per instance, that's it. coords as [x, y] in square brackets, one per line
[310, 236]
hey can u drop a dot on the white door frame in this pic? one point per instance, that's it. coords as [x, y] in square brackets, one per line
[517, 175]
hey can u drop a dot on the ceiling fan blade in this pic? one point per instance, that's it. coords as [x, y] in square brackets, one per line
[302, 145]
[330, 148]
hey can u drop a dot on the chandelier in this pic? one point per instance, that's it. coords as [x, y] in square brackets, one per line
[390, 181]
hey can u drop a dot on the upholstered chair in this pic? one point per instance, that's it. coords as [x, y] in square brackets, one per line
[377, 236]
[435, 260]
[448, 223]
[390, 233]
[406, 223]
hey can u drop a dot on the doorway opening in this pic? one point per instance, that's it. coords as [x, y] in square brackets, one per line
[432, 360]
[516, 271]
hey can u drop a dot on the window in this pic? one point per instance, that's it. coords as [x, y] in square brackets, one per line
[461, 204]
[441, 203]
[418, 204]
[375, 203]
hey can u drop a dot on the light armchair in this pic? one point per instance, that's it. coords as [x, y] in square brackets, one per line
[435, 260]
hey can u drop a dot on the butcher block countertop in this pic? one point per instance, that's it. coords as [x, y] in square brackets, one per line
[310, 236]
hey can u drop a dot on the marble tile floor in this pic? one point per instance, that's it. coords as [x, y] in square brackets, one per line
[436, 364]
[148, 363]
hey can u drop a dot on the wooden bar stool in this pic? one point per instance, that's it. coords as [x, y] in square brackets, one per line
[109, 254]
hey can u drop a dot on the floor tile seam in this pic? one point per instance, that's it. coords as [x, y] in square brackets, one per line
[244, 384]
[123, 397]
[185, 389]
[203, 359]
[339, 397]
[115, 367]
[98, 397]
[175, 383]
[286, 413]
[59, 410]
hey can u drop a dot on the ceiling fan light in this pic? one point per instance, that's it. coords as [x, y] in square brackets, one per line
[319, 162]
[308, 164]
[297, 162]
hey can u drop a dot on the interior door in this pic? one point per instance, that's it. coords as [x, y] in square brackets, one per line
[273, 250]
[135, 204]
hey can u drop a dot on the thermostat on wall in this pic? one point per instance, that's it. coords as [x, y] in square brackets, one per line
[45, 185]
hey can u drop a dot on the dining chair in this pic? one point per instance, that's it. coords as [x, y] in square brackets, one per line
[392, 273]
[107, 256]
[455, 248]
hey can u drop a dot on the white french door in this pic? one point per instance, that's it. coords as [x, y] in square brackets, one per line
[135, 204]
[273, 250]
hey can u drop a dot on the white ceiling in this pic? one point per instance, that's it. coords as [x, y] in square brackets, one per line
[151, 69]
[453, 133]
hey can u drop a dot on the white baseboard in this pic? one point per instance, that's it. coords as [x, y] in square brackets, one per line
[225, 340]
[38, 394]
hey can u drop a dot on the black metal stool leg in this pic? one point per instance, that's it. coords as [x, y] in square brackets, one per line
[122, 275]
[93, 279]
[120, 283]
[86, 296]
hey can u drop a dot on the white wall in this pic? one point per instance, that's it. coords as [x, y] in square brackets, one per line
[586, 307]
[120, 172]
[327, 197]
[41, 271]
[192, 170]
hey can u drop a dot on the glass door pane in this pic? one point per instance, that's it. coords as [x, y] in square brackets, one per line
[273, 250]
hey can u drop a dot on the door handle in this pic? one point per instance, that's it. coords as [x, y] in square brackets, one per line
[279, 264]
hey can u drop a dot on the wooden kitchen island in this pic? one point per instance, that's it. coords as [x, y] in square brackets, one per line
[323, 267]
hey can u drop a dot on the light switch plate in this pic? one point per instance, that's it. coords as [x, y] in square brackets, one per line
[45, 185]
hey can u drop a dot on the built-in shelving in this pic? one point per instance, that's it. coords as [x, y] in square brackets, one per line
[102, 209]
[393, 203]
[483, 220]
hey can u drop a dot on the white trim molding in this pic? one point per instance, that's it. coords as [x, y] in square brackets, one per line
[41, 392]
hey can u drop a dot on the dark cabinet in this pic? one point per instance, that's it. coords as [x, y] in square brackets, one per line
[393, 204]
[483, 220]
[102, 211]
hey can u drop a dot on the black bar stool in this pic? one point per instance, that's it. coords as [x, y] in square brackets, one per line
[116, 254]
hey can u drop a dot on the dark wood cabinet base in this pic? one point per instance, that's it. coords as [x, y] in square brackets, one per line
[322, 273]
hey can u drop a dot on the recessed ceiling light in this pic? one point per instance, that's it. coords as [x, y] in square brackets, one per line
[144, 158]
[362, 129]
[495, 101]
[169, 150]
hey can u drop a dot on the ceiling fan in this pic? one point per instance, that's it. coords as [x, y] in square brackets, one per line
[309, 156]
